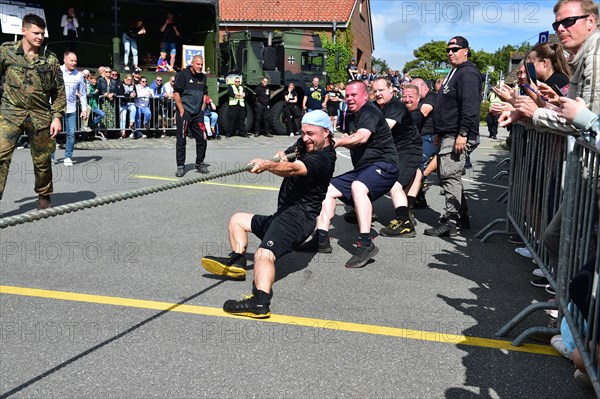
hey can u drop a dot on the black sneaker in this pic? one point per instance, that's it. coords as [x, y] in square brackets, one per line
[350, 217]
[268, 135]
[202, 168]
[399, 228]
[447, 228]
[411, 216]
[314, 246]
[255, 305]
[233, 265]
[463, 222]
[180, 171]
[362, 256]
[540, 282]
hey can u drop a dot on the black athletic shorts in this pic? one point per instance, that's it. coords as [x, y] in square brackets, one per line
[379, 178]
[409, 163]
[285, 230]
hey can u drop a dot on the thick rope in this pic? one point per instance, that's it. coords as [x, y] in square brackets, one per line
[80, 205]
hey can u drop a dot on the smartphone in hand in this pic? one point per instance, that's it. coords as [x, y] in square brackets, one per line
[530, 71]
[557, 90]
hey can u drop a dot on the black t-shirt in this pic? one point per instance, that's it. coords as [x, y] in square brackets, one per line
[291, 96]
[315, 99]
[262, 95]
[169, 34]
[405, 133]
[427, 127]
[380, 145]
[308, 192]
[333, 95]
[418, 117]
[353, 68]
[191, 87]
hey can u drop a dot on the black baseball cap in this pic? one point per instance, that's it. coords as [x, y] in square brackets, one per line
[459, 41]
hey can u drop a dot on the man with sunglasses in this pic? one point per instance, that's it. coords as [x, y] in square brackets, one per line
[576, 25]
[456, 122]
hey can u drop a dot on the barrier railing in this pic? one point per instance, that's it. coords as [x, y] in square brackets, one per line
[536, 171]
[579, 259]
[549, 173]
[120, 114]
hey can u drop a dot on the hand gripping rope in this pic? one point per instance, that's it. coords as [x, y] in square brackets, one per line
[80, 205]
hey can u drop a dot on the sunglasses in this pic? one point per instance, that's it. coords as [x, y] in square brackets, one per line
[159, 80]
[453, 49]
[143, 81]
[567, 22]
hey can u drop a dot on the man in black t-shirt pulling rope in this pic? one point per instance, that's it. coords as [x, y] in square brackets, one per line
[300, 197]
[375, 162]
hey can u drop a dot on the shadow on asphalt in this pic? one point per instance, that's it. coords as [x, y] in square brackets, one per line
[30, 203]
[502, 290]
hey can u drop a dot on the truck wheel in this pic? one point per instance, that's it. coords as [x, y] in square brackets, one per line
[225, 123]
[276, 119]
[249, 118]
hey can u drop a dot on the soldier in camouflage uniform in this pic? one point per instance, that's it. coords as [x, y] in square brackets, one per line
[34, 102]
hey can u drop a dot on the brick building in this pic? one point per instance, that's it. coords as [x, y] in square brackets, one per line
[315, 15]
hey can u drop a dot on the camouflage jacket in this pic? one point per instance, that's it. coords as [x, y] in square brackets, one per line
[32, 88]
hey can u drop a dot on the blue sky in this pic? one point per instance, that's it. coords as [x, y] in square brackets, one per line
[401, 26]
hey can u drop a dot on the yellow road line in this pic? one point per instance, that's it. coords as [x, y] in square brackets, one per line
[336, 325]
[210, 183]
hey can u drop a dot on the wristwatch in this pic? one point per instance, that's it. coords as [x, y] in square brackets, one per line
[463, 133]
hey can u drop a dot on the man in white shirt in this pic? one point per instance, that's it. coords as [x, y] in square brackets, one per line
[142, 105]
[74, 87]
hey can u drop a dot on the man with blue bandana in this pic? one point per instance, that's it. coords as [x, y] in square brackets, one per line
[300, 197]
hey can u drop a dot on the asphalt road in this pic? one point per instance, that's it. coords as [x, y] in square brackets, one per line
[112, 301]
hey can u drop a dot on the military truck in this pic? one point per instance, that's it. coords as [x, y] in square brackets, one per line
[293, 56]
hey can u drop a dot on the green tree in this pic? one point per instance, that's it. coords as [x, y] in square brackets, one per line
[343, 49]
[431, 55]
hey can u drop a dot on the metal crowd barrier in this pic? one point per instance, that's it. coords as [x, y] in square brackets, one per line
[548, 171]
[579, 258]
[162, 120]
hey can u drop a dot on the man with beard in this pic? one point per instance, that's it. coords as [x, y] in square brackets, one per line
[300, 197]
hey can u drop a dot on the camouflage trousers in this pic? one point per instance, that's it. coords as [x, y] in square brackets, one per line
[42, 147]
